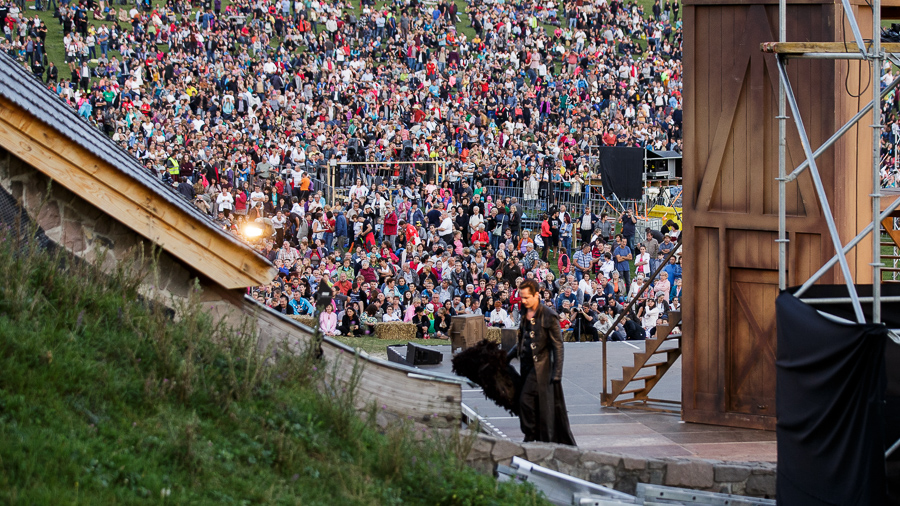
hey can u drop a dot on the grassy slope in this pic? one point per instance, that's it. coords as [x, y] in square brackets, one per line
[105, 401]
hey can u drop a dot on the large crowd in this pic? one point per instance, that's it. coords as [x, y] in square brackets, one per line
[247, 109]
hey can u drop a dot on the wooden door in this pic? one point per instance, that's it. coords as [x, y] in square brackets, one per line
[751, 343]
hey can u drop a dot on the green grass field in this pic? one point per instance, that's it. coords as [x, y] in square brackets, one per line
[108, 400]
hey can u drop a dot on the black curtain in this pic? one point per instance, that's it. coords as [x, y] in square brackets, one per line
[621, 171]
[830, 392]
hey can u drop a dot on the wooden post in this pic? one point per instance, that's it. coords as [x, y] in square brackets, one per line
[331, 182]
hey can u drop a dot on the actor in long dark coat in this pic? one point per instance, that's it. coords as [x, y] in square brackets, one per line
[542, 406]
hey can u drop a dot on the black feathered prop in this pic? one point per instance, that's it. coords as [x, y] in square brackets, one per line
[485, 364]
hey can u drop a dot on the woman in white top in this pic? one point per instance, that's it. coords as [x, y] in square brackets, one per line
[649, 315]
[225, 202]
[636, 285]
[499, 317]
[359, 191]
[531, 187]
[642, 261]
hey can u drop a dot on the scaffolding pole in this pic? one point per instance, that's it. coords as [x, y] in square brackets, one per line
[877, 57]
[782, 160]
[875, 53]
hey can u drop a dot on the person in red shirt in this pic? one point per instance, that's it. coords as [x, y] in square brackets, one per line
[390, 226]
[546, 234]
[418, 114]
[343, 285]
[480, 238]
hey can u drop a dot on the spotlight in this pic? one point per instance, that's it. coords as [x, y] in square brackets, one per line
[252, 231]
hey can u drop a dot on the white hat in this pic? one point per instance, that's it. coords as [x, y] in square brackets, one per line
[429, 308]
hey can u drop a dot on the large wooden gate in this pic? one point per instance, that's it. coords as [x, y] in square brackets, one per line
[731, 194]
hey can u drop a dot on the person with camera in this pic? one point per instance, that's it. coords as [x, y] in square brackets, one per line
[585, 321]
[628, 222]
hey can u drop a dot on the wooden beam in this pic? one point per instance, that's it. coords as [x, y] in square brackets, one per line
[129, 202]
[799, 48]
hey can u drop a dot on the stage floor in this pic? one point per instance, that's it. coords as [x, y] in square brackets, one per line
[625, 431]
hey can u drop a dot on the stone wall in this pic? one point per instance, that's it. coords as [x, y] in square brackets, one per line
[83, 228]
[624, 473]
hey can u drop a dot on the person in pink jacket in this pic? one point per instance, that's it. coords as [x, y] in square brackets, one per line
[328, 321]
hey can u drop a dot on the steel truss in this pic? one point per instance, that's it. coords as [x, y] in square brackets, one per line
[874, 53]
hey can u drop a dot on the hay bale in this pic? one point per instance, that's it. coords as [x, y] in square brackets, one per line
[493, 334]
[309, 321]
[395, 331]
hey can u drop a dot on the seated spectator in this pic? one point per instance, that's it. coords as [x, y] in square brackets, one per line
[328, 321]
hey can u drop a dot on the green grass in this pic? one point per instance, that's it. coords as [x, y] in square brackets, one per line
[107, 400]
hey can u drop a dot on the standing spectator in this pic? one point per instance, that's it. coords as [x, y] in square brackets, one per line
[628, 222]
[623, 256]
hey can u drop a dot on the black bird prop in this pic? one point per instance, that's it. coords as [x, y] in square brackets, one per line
[486, 365]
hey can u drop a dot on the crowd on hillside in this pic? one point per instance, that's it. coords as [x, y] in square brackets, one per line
[241, 107]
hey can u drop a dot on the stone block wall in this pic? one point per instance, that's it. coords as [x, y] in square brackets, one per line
[83, 228]
[623, 473]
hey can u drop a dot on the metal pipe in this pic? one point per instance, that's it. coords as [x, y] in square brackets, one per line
[825, 56]
[892, 449]
[820, 190]
[877, 57]
[847, 126]
[782, 158]
[844, 300]
[854, 27]
[856, 240]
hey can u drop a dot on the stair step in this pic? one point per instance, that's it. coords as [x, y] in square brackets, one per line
[635, 390]
[664, 350]
[640, 378]
[655, 364]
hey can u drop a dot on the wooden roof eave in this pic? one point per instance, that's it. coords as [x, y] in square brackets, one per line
[126, 200]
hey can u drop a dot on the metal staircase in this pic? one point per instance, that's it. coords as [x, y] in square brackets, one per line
[891, 269]
[649, 367]
[657, 355]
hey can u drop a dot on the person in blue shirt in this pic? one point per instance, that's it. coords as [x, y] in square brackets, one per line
[301, 305]
[340, 226]
[673, 268]
[622, 256]
[566, 295]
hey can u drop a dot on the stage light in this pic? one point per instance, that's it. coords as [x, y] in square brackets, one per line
[252, 231]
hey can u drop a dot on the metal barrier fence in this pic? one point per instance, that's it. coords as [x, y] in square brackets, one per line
[535, 202]
[334, 181]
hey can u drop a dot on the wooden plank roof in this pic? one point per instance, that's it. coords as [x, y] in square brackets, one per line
[37, 127]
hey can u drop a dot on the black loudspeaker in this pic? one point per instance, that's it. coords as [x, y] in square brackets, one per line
[422, 355]
[508, 338]
[395, 354]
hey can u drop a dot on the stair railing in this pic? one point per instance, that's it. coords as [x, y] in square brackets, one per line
[605, 394]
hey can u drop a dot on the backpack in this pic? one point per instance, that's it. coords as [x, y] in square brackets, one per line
[565, 266]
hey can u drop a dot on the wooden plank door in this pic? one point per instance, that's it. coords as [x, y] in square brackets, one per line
[751, 342]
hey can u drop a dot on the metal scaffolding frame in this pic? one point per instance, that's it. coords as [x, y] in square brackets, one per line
[874, 53]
